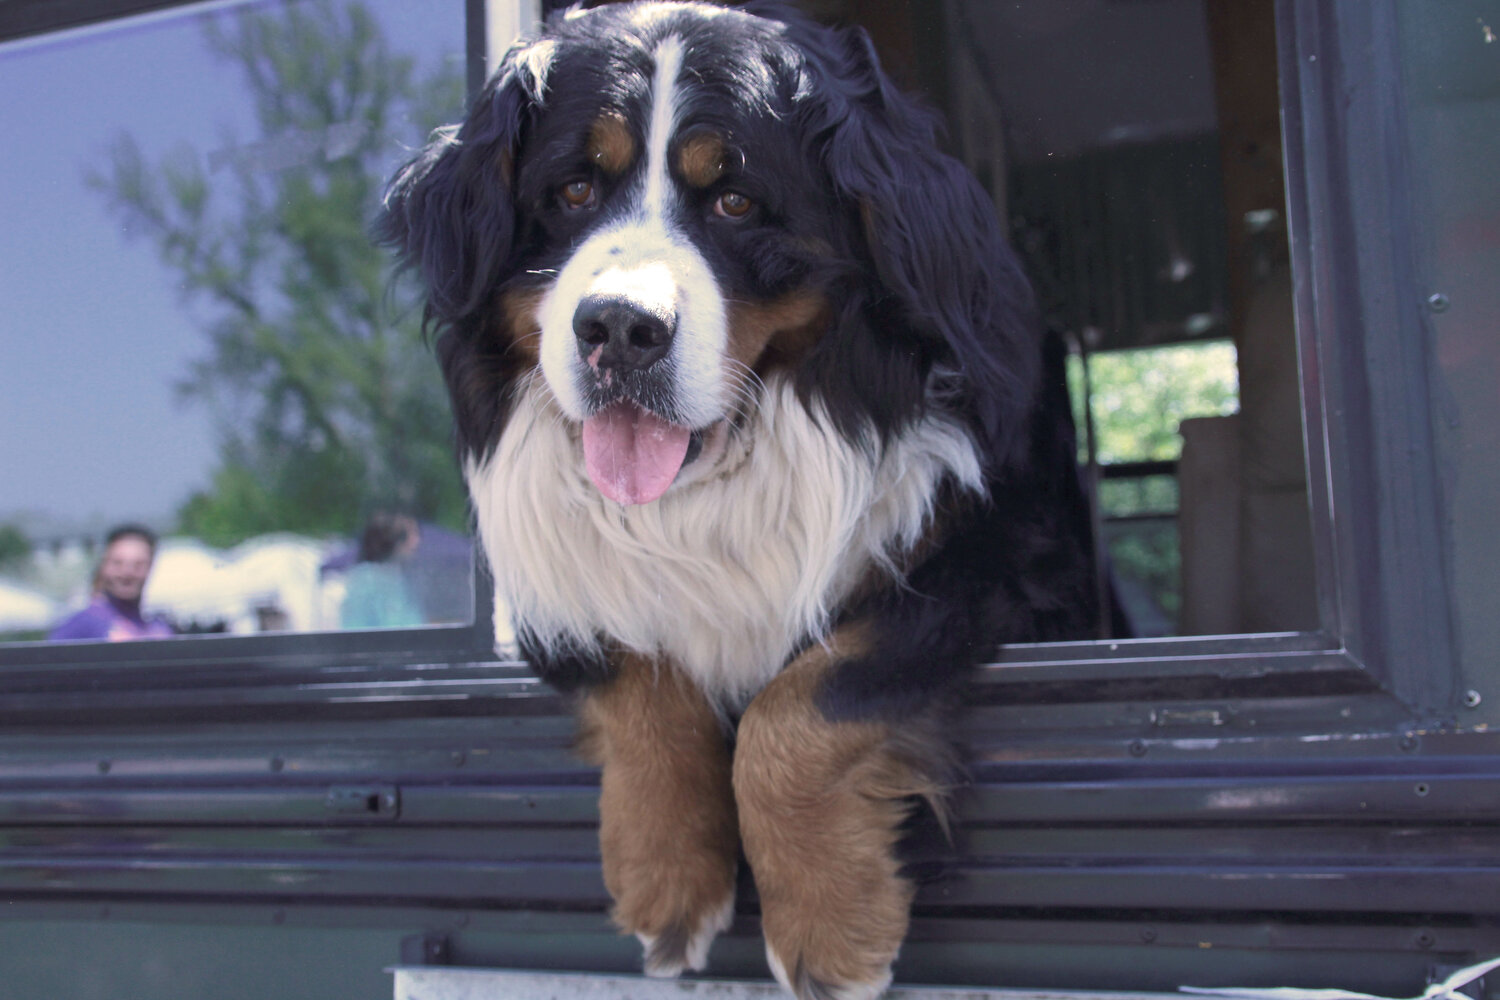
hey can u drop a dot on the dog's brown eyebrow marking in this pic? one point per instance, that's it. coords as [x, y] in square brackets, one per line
[703, 159]
[611, 144]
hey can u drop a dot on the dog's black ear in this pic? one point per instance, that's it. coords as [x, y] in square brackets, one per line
[449, 213]
[934, 242]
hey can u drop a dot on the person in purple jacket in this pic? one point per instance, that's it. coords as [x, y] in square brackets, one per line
[115, 611]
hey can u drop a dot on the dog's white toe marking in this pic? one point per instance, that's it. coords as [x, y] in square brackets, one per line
[835, 991]
[695, 954]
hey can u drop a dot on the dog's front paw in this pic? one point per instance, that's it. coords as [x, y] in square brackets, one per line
[821, 806]
[806, 985]
[672, 881]
[668, 836]
[683, 945]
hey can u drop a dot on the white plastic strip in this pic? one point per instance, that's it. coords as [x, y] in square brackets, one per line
[437, 983]
[1445, 990]
[504, 21]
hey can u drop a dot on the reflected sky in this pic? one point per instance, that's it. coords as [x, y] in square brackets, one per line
[93, 332]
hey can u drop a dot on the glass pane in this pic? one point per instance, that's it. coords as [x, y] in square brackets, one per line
[199, 337]
[1452, 62]
[1146, 198]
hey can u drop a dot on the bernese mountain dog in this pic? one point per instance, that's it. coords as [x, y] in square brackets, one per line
[763, 444]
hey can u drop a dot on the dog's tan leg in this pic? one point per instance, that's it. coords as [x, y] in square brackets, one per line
[667, 830]
[820, 804]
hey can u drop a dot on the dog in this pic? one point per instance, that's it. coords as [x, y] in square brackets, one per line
[764, 448]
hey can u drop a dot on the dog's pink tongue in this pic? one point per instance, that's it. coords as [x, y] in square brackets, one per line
[632, 455]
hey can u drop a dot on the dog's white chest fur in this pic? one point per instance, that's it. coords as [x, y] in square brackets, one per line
[726, 576]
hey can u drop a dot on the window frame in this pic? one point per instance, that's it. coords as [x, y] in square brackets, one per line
[1373, 486]
[114, 678]
[1382, 592]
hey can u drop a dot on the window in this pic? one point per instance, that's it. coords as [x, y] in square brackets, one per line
[200, 337]
[1218, 198]
[1147, 199]
[1145, 195]
[1290, 800]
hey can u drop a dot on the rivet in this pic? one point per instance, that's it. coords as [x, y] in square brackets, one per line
[1472, 699]
[277, 763]
[1437, 302]
[104, 766]
[1138, 748]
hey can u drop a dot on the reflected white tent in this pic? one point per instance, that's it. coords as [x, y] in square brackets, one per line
[270, 581]
[21, 608]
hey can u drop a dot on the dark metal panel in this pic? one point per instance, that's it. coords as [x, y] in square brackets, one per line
[112, 959]
[1365, 346]
[284, 950]
[1271, 888]
[477, 55]
[1428, 795]
[1376, 890]
[351, 880]
[19, 18]
[506, 820]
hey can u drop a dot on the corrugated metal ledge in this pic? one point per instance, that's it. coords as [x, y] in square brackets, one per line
[436, 983]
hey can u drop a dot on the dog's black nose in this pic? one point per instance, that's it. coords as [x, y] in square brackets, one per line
[617, 333]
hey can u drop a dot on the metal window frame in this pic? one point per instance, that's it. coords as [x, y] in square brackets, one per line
[209, 676]
[1382, 588]
[1294, 809]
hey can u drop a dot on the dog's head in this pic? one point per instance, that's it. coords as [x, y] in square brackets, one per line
[656, 206]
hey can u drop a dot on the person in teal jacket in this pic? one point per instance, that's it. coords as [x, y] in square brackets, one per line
[377, 594]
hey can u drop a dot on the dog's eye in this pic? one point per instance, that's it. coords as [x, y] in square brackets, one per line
[579, 194]
[733, 205]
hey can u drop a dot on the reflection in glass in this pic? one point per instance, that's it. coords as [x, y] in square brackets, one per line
[115, 611]
[199, 334]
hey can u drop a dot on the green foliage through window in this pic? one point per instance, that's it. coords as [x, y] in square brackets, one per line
[1139, 397]
[1138, 400]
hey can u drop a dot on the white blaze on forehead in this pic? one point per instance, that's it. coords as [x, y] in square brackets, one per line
[643, 258]
[663, 123]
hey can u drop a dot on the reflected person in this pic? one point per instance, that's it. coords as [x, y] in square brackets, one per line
[377, 594]
[114, 613]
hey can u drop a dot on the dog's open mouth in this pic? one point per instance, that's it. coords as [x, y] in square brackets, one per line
[632, 455]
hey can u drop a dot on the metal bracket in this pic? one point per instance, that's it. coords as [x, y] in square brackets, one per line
[426, 949]
[364, 801]
[1475, 988]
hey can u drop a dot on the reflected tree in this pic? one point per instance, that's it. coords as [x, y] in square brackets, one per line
[15, 547]
[327, 401]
